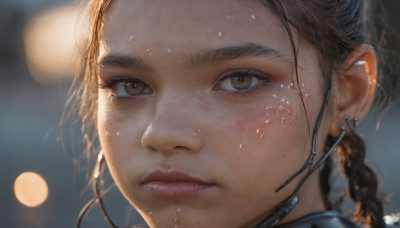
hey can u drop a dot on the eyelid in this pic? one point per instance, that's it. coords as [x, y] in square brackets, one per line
[109, 83]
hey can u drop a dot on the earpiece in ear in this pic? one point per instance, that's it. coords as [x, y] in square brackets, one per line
[359, 63]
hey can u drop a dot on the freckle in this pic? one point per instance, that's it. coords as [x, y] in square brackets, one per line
[283, 120]
[220, 34]
[253, 17]
[274, 95]
[267, 123]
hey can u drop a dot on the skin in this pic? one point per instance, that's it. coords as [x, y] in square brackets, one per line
[191, 122]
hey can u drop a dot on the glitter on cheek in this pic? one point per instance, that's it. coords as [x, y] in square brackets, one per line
[281, 109]
[262, 124]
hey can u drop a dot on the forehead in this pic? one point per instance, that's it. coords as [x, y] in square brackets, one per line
[191, 24]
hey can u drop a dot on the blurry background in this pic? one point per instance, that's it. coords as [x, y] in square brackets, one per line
[37, 39]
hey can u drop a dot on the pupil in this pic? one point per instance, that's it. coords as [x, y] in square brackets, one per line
[133, 85]
[241, 82]
[241, 79]
[134, 88]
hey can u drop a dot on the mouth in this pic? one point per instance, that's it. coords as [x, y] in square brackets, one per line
[174, 184]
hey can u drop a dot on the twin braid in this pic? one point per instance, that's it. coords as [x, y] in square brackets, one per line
[362, 181]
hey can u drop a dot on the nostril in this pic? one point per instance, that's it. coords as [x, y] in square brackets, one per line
[180, 148]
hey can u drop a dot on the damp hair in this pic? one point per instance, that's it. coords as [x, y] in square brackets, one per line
[334, 28]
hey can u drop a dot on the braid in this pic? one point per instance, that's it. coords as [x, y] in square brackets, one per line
[362, 181]
[324, 182]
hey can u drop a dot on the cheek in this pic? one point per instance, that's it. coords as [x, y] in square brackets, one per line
[117, 136]
[265, 138]
[265, 121]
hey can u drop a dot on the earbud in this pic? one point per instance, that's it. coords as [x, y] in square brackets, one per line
[359, 63]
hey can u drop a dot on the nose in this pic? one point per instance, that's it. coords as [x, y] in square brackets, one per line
[173, 129]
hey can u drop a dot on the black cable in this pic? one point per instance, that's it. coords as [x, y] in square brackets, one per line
[287, 205]
[314, 141]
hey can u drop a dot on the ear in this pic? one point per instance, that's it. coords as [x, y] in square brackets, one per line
[354, 87]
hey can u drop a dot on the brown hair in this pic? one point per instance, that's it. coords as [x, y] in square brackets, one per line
[333, 27]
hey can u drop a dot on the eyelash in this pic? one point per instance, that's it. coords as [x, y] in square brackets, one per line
[263, 81]
[113, 83]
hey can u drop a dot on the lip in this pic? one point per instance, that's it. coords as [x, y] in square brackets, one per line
[174, 184]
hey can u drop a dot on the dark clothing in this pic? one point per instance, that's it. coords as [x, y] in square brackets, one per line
[326, 219]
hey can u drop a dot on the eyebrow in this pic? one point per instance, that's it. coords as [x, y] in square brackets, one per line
[234, 52]
[203, 58]
[122, 61]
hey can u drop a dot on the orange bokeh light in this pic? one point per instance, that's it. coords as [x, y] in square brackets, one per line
[30, 189]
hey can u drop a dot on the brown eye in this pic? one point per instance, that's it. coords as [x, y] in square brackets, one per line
[125, 89]
[242, 82]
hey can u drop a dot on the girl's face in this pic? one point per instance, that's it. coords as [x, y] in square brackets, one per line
[197, 113]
